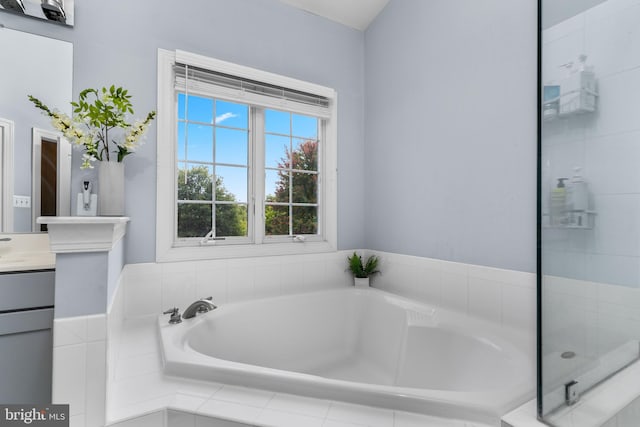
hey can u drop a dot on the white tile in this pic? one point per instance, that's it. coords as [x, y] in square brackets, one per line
[96, 384]
[430, 285]
[76, 421]
[140, 409]
[244, 396]
[139, 336]
[129, 367]
[485, 299]
[358, 414]
[142, 286]
[200, 389]
[407, 419]
[519, 307]
[186, 402]
[333, 423]
[455, 291]
[180, 419]
[155, 419]
[211, 280]
[230, 411]
[142, 388]
[617, 225]
[630, 415]
[69, 331]
[179, 285]
[301, 405]
[613, 269]
[268, 281]
[96, 327]
[562, 29]
[272, 417]
[293, 278]
[314, 277]
[621, 150]
[337, 274]
[240, 280]
[69, 375]
[202, 421]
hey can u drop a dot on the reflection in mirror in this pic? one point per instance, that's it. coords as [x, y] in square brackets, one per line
[29, 55]
[51, 177]
[57, 11]
[6, 176]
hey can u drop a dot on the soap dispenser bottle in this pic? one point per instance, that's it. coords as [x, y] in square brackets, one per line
[557, 206]
[577, 193]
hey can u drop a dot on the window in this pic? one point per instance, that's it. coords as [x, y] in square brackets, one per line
[246, 161]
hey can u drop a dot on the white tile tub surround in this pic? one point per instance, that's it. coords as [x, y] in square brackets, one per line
[79, 367]
[507, 297]
[618, 396]
[137, 387]
[152, 288]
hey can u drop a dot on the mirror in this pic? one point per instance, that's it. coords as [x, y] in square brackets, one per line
[56, 11]
[41, 67]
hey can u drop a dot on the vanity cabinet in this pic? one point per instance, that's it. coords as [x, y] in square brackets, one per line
[26, 340]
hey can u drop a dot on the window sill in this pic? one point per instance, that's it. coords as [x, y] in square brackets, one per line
[190, 253]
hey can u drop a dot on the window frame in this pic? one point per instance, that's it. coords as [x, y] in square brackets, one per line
[168, 249]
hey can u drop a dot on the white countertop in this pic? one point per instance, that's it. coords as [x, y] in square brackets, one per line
[23, 252]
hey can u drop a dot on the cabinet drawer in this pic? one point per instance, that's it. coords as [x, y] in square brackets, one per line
[25, 290]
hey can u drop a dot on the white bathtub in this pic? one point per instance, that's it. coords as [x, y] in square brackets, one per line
[358, 345]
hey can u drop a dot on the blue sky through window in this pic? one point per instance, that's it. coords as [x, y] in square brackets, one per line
[232, 138]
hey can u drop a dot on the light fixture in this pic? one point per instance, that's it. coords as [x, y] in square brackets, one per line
[54, 10]
[13, 5]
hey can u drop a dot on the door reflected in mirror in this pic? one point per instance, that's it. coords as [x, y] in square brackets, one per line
[51, 177]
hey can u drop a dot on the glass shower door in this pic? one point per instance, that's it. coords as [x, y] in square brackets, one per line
[589, 197]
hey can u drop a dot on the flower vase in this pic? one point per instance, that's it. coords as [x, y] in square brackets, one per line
[361, 282]
[111, 189]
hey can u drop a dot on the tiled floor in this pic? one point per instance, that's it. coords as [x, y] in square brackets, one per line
[139, 387]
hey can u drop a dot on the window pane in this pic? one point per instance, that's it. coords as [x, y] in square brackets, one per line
[181, 154]
[305, 220]
[305, 188]
[276, 148]
[196, 185]
[231, 220]
[276, 186]
[232, 115]
[231, 184]
[276, 220]
[200, 109]
[232, 146]
[305, 155]
[194, 220]
[277, 122]
[200, 143]
[304, 126]
[181, 106]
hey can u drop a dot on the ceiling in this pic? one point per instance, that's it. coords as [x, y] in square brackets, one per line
[357, 14]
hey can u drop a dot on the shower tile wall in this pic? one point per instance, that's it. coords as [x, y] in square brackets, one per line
[592, 276]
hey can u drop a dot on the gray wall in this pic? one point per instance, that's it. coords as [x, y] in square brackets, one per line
[116, 42]
[450, 160]
[451, 131]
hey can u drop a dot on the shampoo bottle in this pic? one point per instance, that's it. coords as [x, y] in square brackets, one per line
[577, 193]
[558, 202]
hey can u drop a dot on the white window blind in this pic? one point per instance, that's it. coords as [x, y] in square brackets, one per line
[193, 79]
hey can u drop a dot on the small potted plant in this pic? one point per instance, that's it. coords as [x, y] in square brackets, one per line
[361, 271]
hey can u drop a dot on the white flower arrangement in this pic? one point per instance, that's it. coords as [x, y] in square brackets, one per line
[92, 124]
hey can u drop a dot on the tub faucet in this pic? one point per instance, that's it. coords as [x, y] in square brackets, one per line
[201, 306]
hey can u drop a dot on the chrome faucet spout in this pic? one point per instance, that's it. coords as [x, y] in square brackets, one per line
[201, 306]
